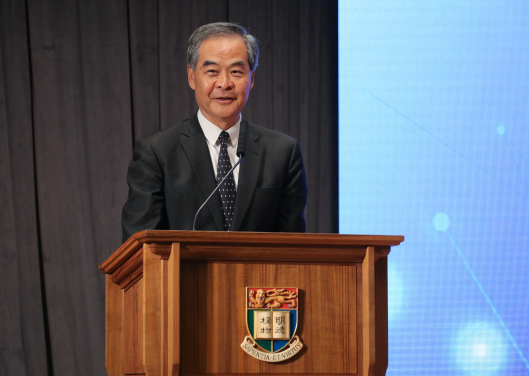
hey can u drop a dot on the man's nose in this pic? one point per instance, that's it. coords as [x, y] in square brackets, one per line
[224, 82]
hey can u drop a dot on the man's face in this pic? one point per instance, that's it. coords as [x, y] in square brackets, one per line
[222, 80]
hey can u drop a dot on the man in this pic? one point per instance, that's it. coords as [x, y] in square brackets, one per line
[173, 171]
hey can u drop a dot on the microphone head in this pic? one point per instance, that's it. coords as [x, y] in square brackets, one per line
[241, 144]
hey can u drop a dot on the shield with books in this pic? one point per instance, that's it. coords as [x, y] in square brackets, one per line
[271, 320]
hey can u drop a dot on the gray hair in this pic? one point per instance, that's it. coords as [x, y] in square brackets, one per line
[222, 30]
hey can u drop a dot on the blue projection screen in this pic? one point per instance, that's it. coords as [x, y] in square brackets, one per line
[434, 145]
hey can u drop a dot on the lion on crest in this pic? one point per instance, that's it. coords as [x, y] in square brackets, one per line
[272, 298]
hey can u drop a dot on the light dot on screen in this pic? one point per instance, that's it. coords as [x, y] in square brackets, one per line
[500, 129]
[479, 348]
[441, 221]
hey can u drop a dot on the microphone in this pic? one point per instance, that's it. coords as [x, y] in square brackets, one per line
[241, 151]
[241, 147]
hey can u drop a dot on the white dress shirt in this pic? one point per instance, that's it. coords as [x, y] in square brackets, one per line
[212, 132]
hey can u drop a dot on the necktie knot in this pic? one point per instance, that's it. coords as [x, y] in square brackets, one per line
[224, 137]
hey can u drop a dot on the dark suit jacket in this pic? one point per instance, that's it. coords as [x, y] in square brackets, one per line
[171, 175]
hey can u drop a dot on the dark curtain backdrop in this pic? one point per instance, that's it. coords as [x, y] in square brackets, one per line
[79, 82]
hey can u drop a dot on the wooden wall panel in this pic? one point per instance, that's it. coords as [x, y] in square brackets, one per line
[113, 328]
[368, 312]
[133, 329]
[381, 315]
[152, 309]
[212, 320]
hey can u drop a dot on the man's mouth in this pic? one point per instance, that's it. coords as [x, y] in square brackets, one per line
[224, 99]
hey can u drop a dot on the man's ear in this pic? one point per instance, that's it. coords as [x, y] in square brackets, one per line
[251, 85]
[191, 77]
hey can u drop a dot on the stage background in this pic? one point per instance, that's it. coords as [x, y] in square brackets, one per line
[80, 80]
[434, 145]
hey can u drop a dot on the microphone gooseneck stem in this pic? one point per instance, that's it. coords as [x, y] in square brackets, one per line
[215, 190]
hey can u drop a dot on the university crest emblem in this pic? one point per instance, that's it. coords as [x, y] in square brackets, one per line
[272, 320]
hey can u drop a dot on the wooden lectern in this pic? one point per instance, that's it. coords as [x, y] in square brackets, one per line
[176, 302]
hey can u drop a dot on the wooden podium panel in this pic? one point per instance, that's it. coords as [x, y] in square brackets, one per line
[176, 302]
[215, 316]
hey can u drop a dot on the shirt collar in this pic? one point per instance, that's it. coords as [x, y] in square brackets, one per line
[212, 132]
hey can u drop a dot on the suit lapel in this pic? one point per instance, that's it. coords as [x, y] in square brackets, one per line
[250, 169]
[195, 147]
